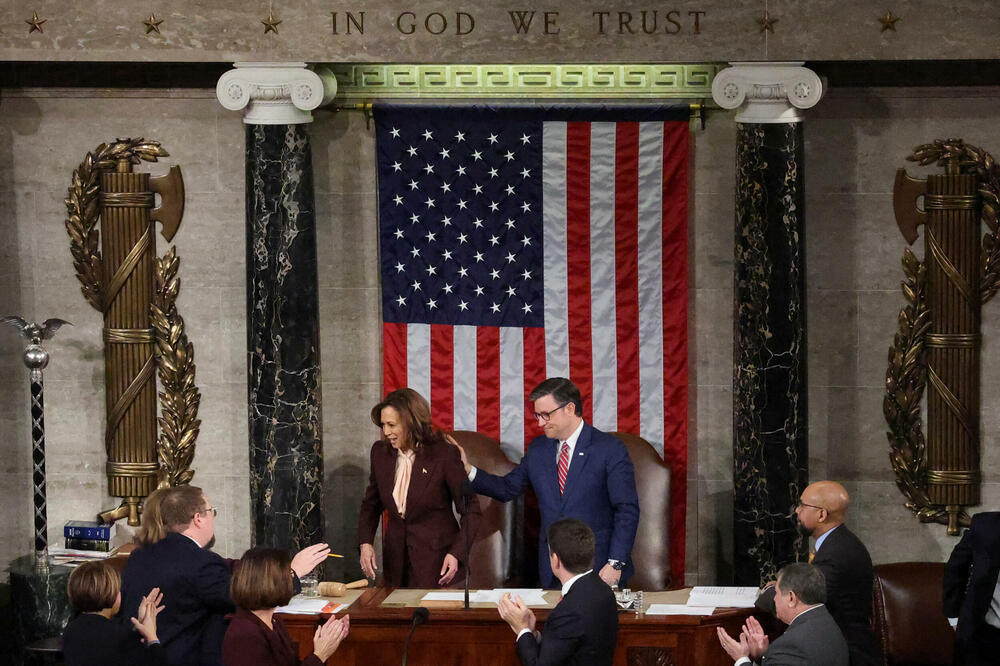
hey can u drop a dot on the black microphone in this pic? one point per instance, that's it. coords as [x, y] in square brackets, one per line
[420, 615]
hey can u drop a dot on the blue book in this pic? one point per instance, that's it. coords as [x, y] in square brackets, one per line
[87, 529]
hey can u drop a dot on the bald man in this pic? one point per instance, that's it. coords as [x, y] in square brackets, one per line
[846, 566]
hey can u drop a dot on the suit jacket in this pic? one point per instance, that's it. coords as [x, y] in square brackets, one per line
[249, 641]
[847, 567]
[600, 491]
[581, 630]
[970, 576]
[195, 586]
[94, 640]
[812, 639]
[429, 531]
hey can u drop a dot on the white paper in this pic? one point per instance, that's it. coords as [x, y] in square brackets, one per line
[679, 609]
[530, 596]
[727, 597]
[444, 596]
[301, 604]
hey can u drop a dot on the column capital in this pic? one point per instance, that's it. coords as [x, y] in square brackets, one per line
[774, 92]
[275, 93]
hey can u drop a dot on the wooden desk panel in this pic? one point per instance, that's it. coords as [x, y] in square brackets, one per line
[478, 637]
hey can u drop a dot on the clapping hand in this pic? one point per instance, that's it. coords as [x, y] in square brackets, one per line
[515, 613]
[461, 453]
[145, 620]
[329, 635]
[736, 649]
[757, 640]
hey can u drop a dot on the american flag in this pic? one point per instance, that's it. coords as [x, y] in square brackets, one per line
[519, 243]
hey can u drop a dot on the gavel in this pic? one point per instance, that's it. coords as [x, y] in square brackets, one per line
[331, 589]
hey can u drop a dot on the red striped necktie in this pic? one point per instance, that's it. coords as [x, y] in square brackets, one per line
[563, 466]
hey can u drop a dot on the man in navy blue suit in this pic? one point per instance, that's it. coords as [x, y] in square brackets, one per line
[583, 627]
[972, 591]
[576, 471]
[192, 624]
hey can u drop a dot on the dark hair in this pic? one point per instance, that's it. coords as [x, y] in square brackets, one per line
[93, 586]
[573, 542]
[805, 580]
[414, 413]
[179, 505]
[152, 528]
[262, 579]
[562, 391]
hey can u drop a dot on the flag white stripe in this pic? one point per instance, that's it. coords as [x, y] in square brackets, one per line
[556, 292]
[418, 359]
[512, 391]
[602, 275]
[465, 377]
[651, 284]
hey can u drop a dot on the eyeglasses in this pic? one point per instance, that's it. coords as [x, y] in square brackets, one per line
[214, 510]
[812, 506]
[545, 416]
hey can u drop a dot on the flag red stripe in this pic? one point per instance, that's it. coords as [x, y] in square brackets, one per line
[627, 273]
[393, 356]
[488, 381]
[578, 260]
[443, 376]
[534, 374]
[675, 318]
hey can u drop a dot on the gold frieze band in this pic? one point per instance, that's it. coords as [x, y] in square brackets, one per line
[953, 477]
[950, 202]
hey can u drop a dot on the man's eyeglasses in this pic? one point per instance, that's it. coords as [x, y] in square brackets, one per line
[812, 506]
[214, 510]
[545, 416]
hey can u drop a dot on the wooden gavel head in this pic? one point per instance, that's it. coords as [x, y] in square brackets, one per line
[332, 589]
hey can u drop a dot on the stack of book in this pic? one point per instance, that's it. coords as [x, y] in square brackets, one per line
[88, 535]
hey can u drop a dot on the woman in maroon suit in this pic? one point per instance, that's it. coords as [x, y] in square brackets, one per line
[416, 477]
[261, 582]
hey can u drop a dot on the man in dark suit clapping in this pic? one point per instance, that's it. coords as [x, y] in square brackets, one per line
[812, 637]
[583, 627]
[192, 624]
[972, 591]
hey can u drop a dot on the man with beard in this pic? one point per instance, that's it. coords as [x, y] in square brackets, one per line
[192, 624]
[846, 566]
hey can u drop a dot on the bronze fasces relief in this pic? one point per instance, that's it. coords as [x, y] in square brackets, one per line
[938, 342]
[150, 436]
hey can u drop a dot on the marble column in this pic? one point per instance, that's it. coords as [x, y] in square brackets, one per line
[283, 361]
[770, 447]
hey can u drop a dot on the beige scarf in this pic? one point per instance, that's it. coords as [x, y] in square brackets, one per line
[404, 468]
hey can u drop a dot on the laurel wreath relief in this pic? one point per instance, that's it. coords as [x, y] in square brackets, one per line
[905, 378]
[174, 353]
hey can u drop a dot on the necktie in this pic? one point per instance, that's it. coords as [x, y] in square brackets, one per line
[812, 556]
[563, 466]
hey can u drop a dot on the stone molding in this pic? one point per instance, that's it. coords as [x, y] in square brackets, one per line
[275, 93]
[773, 92]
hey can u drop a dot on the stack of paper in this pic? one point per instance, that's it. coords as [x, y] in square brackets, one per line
[734, 597]
[531, 597]
[679, 609]
[310, 605]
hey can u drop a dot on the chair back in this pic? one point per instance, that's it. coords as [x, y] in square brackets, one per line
[907, 617]
[651, 552]
[495, 554]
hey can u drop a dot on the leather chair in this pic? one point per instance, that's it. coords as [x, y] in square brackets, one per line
[651, 552]
[907, 617]
[496, 551]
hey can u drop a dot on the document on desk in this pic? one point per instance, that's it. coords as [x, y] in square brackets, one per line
[531, 597]
[310, 605]
[444, 596]
[678, 609]
[731, 597]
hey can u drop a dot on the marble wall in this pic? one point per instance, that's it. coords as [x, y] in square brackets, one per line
[855, 139]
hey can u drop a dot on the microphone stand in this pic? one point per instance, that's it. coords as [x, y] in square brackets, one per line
[420, 615]
[468, 543]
